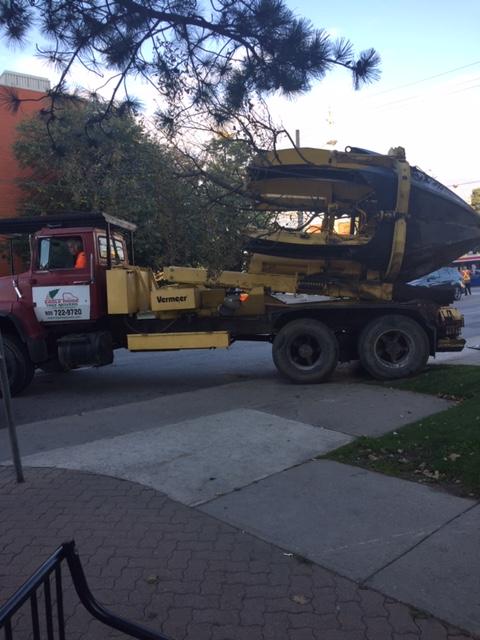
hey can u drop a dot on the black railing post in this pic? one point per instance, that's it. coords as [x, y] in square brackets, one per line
[35, 620]
[48, 608]
[59, 592]
[28, 591]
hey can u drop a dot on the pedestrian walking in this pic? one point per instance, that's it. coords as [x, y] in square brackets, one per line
[467, 279]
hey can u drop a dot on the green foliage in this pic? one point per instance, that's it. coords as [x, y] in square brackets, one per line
[112, 164]
[226, 212]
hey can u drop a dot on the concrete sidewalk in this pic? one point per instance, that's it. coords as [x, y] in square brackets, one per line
[243, 456]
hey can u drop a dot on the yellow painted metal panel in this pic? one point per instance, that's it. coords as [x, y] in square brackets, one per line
[322, 157]
[309, 239]
[168, 341]
[288, 194]
[173, 298]
[121, 298]
[400, 230]
[144, 284]
[238, 279]
[450, 344]
[128, 290]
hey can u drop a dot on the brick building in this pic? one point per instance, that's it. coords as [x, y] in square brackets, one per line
[31, 89]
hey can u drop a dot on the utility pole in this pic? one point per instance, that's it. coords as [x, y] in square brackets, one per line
[300, 219]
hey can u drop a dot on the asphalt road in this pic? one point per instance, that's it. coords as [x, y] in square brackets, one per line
[140, 376]
[470, 307]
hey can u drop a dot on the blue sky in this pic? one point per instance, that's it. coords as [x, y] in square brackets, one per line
[413, 37]
[435, 118]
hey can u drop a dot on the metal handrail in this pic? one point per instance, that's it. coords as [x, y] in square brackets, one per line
[13, 604]
[28, 591]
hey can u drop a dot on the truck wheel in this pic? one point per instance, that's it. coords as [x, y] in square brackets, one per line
[305, 351]
[393, 346]
[20, 368]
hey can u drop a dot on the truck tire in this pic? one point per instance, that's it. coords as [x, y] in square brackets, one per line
[305, 351]
[393, 346]
[20, 368]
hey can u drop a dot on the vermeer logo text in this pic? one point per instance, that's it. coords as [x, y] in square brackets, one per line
[171, 299]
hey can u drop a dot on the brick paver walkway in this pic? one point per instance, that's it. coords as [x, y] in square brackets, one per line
[182, 572]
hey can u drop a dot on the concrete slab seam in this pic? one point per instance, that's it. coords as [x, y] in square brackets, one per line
[256, 481]
[414, 546]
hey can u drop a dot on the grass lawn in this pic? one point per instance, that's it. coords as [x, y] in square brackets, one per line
[443, 449]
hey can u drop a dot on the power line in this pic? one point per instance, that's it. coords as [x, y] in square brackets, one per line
[461, 184]
[437, 75]
[419, 96]
[475, 86]
[436, 90]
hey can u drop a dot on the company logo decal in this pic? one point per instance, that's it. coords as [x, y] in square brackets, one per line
[65, 299]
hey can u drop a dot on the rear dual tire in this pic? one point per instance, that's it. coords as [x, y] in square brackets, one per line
[305, 351]
[393, 346]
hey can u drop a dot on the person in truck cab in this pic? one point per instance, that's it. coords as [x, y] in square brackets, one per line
[75, 248]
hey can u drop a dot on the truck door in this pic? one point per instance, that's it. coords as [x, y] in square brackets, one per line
[63, 278]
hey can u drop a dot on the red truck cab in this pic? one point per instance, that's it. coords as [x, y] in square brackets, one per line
[54, 314]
